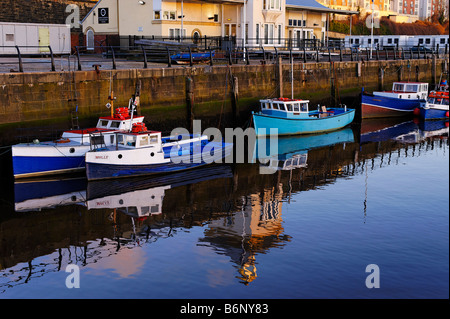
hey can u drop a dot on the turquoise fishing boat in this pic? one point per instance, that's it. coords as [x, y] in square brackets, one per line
[284, 116]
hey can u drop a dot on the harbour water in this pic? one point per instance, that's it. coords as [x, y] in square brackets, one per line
[362, 213]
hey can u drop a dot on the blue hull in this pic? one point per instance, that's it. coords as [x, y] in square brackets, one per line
[290, 126]
[27, 166]
[31, 166]
[104, 171]
[433, 114]
[95, 171]
[389, 132]
[373, 106]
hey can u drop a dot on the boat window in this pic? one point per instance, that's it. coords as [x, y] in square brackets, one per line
[431, 100]
[127, 140]
[153, 139]
[120, 139]
[144, 140]
[115, 124]
[275, 106]
[411, 87]
[296, 107]
[445, 102]
[304, 107]
[104, 123]
[268, 105]
[398, 87]
[111, 139]
[289, 107]
[145, 210]
[154, 209]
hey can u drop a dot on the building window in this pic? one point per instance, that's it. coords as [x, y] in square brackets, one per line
[280, 33]
[257, 33]
[272, 5]
[157, 15]
[175, 33]
[169, 15]
[268, 33]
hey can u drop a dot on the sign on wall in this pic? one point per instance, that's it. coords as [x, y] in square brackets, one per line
[103, 15]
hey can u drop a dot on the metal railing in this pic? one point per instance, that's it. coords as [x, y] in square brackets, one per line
[219, 50]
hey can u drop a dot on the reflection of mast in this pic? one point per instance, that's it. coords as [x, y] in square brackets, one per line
[365, 196]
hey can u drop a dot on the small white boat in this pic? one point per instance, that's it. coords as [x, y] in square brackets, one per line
[143, 152]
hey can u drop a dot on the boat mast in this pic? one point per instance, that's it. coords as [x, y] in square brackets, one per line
[292, 75]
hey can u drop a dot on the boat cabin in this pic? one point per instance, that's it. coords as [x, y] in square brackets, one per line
[438, 98]
[139, 140]
[120, 120]
[284, 106]
[407, 90]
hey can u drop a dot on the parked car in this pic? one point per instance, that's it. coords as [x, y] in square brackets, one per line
[421, 49]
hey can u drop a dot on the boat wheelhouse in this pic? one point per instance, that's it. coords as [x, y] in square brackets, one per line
[436, 107]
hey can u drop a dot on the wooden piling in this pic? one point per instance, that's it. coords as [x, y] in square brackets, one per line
[189, 102]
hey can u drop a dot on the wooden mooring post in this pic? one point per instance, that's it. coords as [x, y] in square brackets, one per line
[189, 102]
[235, 97]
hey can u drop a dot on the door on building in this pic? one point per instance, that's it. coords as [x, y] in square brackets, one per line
[90, 40]
[44, 39]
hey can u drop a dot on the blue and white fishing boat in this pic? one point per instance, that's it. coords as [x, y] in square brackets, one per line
[291, 117]
[143, 152]
[404, 98]
[66, 154]
[436, 107]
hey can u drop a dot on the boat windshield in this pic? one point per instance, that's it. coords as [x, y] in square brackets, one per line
[411, 87]
[129, 140]
[104, 123]
[399, 87]
[115, 124]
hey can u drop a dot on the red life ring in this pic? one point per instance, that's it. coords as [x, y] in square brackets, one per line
[138, 127]
[62, 140]
[121, 113]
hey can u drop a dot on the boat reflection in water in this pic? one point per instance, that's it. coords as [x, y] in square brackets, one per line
[237, 209]
[35, 195]
[293, 151]
[141, 197]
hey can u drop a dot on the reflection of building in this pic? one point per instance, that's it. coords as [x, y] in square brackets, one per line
[255, 229]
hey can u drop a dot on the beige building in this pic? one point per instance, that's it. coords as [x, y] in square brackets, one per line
[260, 22]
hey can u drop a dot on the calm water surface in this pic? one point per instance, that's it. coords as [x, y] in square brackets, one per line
[306, 226]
